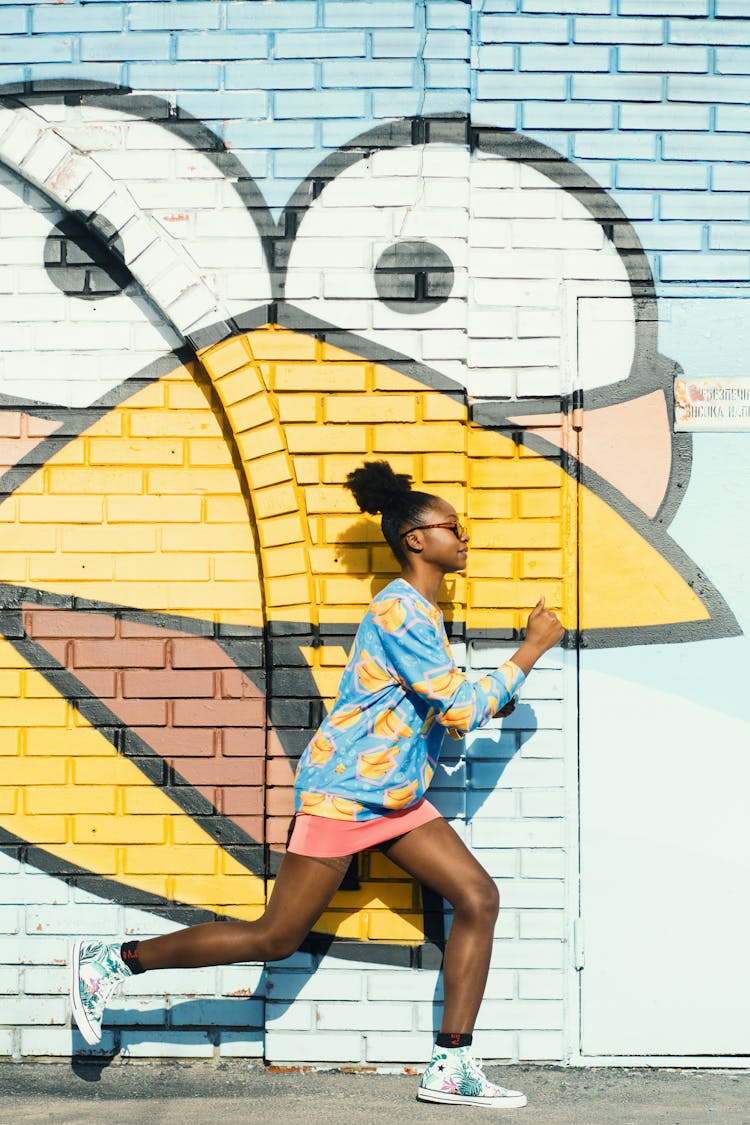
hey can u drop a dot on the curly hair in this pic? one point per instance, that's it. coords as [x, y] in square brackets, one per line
[376, 488]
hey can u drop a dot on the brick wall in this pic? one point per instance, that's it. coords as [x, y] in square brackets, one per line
[203, 332]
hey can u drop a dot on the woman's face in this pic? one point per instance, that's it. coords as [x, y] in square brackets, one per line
[444, 547]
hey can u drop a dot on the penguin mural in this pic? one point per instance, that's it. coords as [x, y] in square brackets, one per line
[181, 570]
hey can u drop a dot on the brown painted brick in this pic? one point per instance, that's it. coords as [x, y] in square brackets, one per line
[43, 622]
[233, 684]
[277, 828]
[279, 801]
[243, 800]
[245, 743]
[219, 771]
[181, 743]
[168, 684]
[143, 653]
[197, 652]
[102, 683]
[253, 825]
[141, 713]
[279, 771]
[219, 712]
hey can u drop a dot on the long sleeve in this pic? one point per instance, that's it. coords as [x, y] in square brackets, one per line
[417, 654]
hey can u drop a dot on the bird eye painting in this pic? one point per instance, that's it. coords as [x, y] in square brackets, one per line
[181, 570]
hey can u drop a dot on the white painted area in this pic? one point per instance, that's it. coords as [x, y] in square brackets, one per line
[522, 251]
[59, 349]
[183, 191]
[665, 870]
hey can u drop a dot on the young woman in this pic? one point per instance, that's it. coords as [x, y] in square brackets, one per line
[360, 784]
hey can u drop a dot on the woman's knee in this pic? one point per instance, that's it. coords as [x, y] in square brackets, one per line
[276, 945]
[479, 898]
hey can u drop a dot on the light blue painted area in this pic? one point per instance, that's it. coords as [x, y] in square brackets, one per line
[711, 527]
[707, 337]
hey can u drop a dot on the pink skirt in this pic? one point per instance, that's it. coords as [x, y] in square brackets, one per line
[323, 837]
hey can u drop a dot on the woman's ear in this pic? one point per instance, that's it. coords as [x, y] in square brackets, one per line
[414, 541]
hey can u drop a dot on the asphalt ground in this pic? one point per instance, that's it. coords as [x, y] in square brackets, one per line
[138, 1092]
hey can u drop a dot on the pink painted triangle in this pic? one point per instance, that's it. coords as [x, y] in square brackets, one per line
[628, 444]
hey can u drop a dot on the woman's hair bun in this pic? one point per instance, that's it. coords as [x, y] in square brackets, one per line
[377, 488]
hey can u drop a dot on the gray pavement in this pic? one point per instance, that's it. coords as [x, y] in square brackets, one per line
[163, 1093]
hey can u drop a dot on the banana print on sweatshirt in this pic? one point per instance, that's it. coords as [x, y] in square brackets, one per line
[400, 693]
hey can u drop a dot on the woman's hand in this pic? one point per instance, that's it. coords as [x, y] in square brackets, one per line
[543, 628]
[543, 631]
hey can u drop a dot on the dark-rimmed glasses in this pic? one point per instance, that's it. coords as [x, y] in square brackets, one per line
[455, 526]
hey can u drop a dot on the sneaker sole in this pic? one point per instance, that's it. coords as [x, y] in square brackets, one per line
[91, 1034]
[444, 1098]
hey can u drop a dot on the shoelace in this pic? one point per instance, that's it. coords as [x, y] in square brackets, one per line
[475, 1065]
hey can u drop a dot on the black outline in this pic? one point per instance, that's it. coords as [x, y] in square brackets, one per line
[650, 372]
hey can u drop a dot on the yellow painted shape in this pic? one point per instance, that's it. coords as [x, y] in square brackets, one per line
[127, 507]
[141, 845]
[625, 582]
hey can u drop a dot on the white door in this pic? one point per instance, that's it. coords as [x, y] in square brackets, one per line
[664, 873]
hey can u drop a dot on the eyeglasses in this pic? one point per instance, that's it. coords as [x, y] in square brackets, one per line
[457, 528]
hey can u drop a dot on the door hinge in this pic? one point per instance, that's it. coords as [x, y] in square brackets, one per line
[579, 950]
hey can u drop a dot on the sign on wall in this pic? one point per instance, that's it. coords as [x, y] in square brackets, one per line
[712, 404]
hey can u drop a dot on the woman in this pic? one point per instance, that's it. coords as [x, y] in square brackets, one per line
[360, 783]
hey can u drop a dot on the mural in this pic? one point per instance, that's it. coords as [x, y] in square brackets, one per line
[181, 570]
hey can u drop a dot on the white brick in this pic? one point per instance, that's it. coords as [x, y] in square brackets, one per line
[41, 951]
[365, 1016]
[9, 980]
[10, 919]
[544, 802]
[543, 863]
[500, 864]
[490, 802]
[239, 980]
[542, 1045]
[100, 918]
[60, 1042]
[294, 1016]
[543, 923]
[400, 1049]
[386, 984]
[301, 1047]
[7, 1045]
[175, 982]
[528, 955]
[497, 1045]
[92, 193]
[540, 984]
[519, 894]
[32, 1009]
[512, 1015]
[167, 1044]
[46, 980]
[49, 152]
[126, 1010]
[241, 1044]
[324, 985]
[521, 773]
[544, 744]
[18, 141]
[518, 833]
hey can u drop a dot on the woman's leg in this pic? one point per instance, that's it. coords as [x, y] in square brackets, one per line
[303, 889]
[436, 856]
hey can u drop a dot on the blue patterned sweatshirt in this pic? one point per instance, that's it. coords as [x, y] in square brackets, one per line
[400, 692]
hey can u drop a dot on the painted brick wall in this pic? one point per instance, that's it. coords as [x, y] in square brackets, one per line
[182, 571]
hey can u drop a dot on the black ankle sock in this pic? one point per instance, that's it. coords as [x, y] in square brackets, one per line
[129, 954]
[453, 1039]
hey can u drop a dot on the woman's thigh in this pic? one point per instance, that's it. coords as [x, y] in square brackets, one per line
[437, 856]
[303, 889]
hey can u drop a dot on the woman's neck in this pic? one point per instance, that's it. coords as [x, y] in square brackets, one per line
[426, 582]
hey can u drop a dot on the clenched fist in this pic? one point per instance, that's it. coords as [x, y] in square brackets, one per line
[543, 628]
[543, 631]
